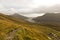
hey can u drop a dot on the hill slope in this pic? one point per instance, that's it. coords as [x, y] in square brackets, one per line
[13, 29]
[49, 19]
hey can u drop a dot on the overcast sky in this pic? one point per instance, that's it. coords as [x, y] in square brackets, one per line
[25, 5]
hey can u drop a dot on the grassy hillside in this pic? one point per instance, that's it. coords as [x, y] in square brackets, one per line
[18, 29]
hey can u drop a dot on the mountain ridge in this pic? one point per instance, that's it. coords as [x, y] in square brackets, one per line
[49, 19]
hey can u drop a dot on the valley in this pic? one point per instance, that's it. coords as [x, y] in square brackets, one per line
[12, 28]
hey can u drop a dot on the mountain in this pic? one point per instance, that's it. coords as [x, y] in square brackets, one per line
[16, 15]
[49, 19]
[13, 29]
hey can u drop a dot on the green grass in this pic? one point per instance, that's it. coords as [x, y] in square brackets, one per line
[22, 30]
